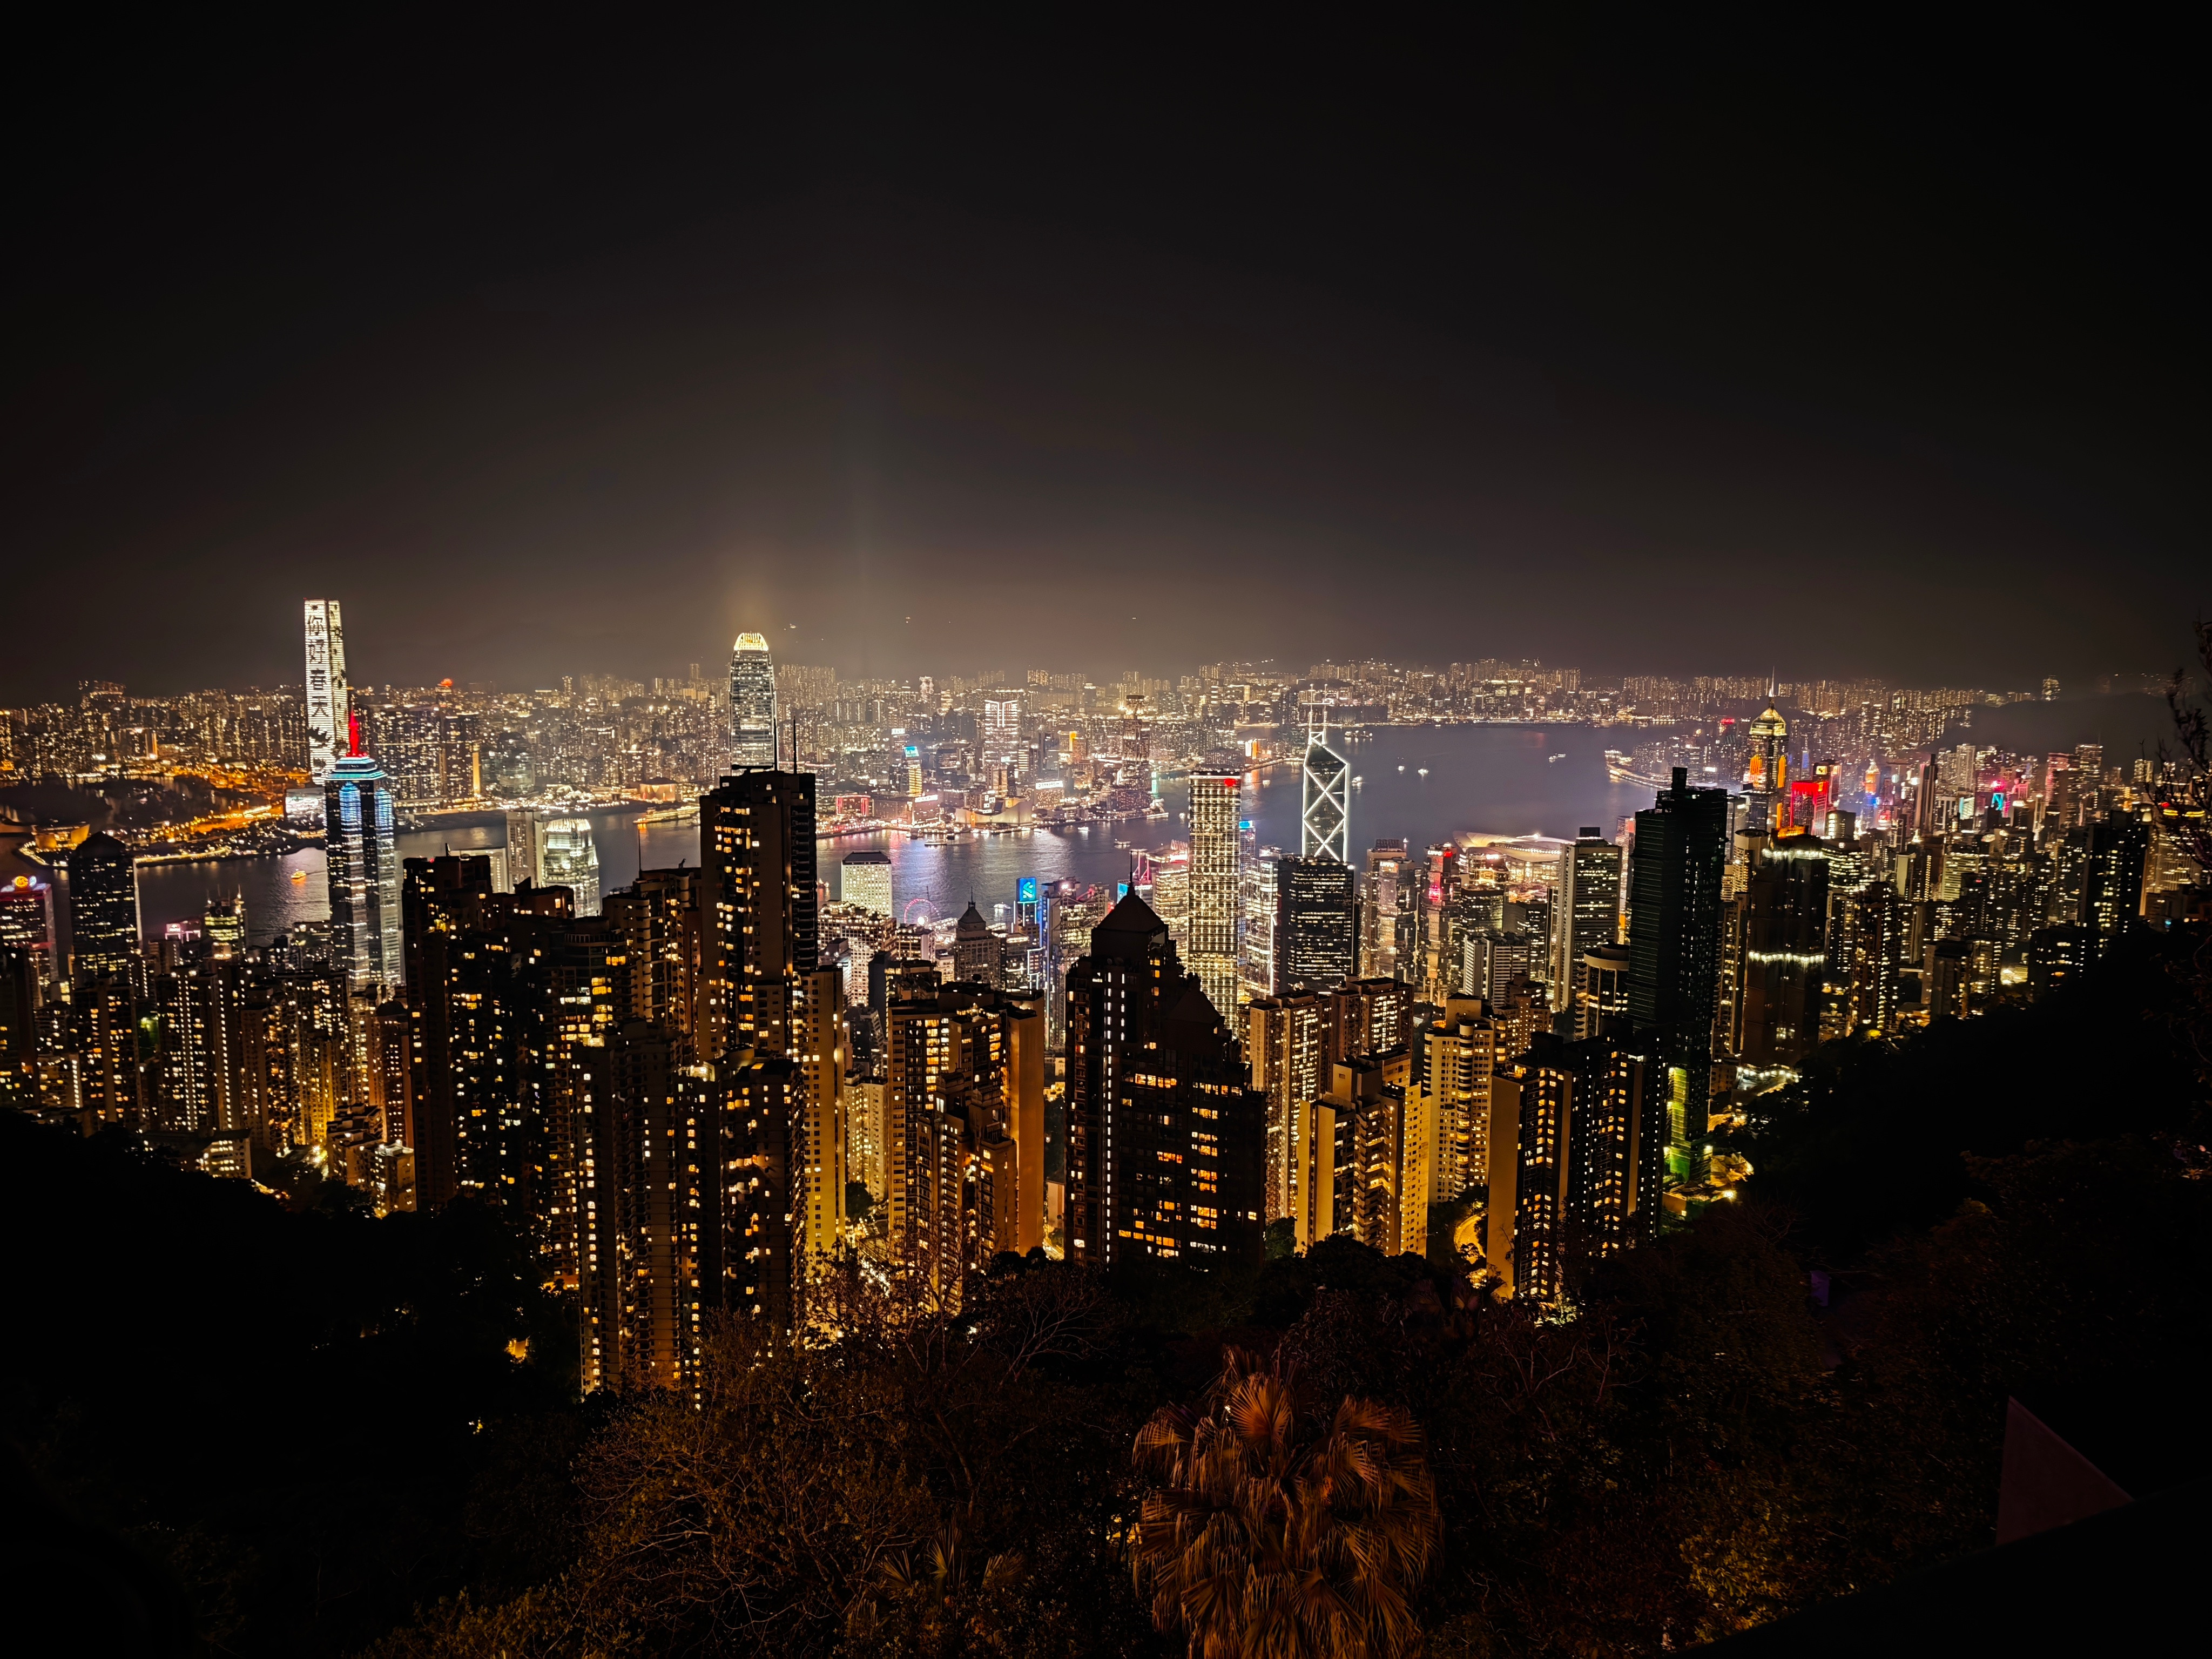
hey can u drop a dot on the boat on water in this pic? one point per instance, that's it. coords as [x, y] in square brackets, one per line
[299, 878]
[1553, 760]
[1402, 767]
[1423, 770]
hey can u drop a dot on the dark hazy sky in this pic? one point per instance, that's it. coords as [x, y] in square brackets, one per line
[1856, 348]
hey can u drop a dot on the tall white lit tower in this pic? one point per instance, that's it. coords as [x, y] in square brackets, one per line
[752, 703]
[329, 736]
[1325, 817]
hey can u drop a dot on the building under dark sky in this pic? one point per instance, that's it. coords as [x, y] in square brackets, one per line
[564, 346]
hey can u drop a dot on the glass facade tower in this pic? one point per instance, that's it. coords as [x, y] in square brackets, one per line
[752, 703]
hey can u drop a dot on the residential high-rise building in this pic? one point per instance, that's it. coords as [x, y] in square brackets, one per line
[1462, 1056]
[752, 704]
[571, 859]
[1216, 857]
[1586, 910]
[2112, 886]
[1673, 935]
[1591, 1156]
[1166, 1139]
[649, 1238]
[1371, 1174]
[976, 955]
[1316, 925]
[865, 880]
[963, 1126]
[1875, 923]
[1287, 1041]
[329, 712]
[363, 865]
[102, 882]
[759, 927]
[657, 918]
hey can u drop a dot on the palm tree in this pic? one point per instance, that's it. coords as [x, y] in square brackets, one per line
[1272, 1533]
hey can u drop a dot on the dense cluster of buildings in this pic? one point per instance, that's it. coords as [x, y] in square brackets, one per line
[720, 1086]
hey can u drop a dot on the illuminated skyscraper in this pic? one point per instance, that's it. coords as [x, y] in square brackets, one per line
[1766, 774]
[752, 703]
[103, 905]
[1316, 924]
[364, 871]
[328, 724]
[865, 880]
[1585, 911]
[572, 860]
[1216, 855]
[1325, 816]
[1378, 950]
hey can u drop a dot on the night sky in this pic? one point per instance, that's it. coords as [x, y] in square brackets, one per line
[1853, 349]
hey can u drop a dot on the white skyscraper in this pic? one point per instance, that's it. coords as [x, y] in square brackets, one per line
[865, 880]
[752, 703]
[1325, 819]
[570, 859]
[328, 722]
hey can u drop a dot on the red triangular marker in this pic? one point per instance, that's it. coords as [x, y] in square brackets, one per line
[2046, 1482]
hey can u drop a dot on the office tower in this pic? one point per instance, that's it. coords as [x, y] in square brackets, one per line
[2112, 886]
[752, 704]
[1601, 991]
[102, 882]
[1591, 1158]
[1032, 935]
[1325, 812]
[1316, 924]
[1495, 965]
[975, 952]
[1286, 1040]
[1165, 1137]
[570, 859]
[1586, 910]
[1378, 947]
[385, 1042]
[758, 904]
[329, 712]
[1432, 911]
[224, 926]
[657, 917]
[963, 1126]
[1766, 771]
[1876, 923]
[1256, 949]
[1462, 1055]
[1217, 849]
[1673, 934]
[998, 736]
[364, 871]
[526, 849]
[865, 880]
[1372, 1173]
[1783, 954]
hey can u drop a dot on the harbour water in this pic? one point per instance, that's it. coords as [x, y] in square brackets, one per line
[1494, 780]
